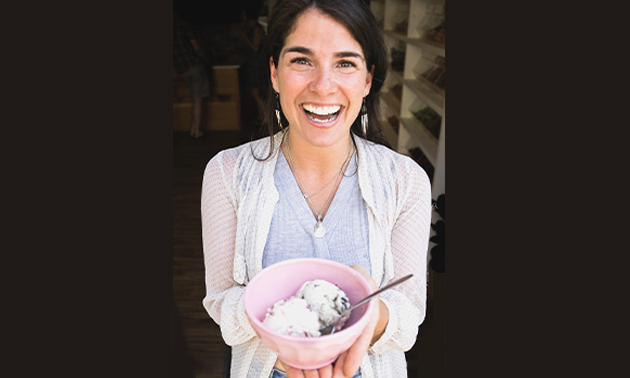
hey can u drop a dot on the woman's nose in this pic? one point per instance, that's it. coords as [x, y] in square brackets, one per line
[323, 81]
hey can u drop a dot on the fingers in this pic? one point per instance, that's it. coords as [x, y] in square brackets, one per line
[338, 371]
[293, 373]
[325, 372]
[343, 369]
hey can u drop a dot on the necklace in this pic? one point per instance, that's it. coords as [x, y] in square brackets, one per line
[323, 187]
[319, 230]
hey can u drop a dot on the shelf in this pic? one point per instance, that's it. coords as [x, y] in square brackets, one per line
[426, 141]
[429, 46]
[427, 94]
[424, 90]
[421, 53]
[424, 43]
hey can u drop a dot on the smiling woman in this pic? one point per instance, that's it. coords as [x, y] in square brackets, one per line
[320, 183]
[321, 80]
[357, 21]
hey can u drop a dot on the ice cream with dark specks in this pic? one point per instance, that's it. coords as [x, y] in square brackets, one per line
[316, 305]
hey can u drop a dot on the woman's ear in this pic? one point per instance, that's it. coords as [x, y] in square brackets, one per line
[274, 74]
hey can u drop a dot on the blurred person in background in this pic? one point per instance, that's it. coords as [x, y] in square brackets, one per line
[188, 62]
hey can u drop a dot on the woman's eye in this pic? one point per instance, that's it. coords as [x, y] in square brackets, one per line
[347, 64]
[300, 61]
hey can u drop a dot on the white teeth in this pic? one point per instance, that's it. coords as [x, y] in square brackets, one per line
[332, 117]
[322, 110]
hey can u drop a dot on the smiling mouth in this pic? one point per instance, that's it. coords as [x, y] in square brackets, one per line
[321, 114]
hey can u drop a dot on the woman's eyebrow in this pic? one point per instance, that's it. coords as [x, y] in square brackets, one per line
[349, 54]
[307, 51]
[297, 49]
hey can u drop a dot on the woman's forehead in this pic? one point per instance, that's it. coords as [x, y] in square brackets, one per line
[316, 32]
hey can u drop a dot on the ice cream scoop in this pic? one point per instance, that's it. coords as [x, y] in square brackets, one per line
[327, 300]
[293, 317]
[316, 305]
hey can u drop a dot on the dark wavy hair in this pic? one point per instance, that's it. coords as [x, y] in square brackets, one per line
[357, 17]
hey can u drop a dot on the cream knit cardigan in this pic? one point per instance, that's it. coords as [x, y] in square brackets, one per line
[237, 204]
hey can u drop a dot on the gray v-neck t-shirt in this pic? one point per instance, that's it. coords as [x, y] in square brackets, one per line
[291, 231]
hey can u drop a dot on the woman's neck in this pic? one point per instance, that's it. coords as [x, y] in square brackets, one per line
[315, 161]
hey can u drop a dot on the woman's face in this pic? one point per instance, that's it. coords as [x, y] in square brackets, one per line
[322, 79]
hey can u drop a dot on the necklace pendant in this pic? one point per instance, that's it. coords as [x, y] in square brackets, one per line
[319, 231]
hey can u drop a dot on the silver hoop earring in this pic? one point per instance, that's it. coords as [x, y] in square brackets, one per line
[364, 118]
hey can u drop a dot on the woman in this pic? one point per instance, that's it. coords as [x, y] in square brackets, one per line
[320, 185]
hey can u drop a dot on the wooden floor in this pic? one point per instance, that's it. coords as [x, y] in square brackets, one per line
[199, 351]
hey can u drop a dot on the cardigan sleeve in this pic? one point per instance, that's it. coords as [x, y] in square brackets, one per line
[224, 296]
[409, 244]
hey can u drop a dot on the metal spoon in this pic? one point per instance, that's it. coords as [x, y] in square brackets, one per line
[328, 330]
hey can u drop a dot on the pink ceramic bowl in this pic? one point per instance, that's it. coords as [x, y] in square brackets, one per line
[281, 281]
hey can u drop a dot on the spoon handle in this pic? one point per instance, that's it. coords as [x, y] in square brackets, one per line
[329, 330]
[398, 281]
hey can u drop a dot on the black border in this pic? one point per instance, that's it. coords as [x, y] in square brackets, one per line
[99, 189]
[502, 93]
